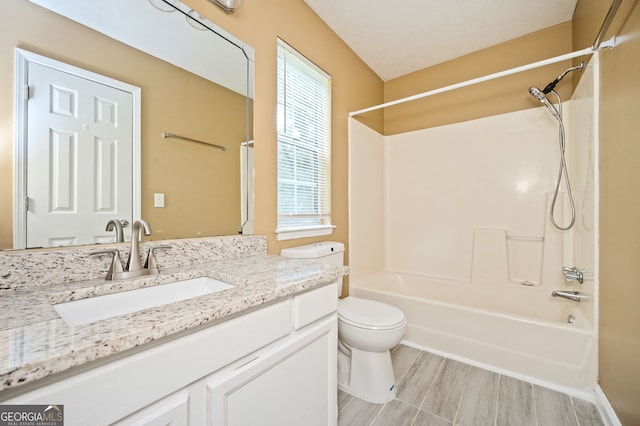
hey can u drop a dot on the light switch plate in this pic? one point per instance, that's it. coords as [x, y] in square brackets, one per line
[158, 199]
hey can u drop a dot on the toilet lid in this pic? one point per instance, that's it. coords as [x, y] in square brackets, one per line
[369, 313]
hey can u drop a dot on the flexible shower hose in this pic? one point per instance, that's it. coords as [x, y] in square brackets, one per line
[562, 171]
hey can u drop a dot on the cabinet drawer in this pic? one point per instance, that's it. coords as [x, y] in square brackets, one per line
[315, 304]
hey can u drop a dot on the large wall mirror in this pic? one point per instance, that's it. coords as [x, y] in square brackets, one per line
[196, 96]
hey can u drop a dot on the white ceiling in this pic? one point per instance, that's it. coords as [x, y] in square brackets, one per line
[397, 37]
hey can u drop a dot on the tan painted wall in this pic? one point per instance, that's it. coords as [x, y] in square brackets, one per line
[619, 203]
[201, 184]
[354, 86]
[485, 99]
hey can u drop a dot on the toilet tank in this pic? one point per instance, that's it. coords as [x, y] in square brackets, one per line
[323, 252]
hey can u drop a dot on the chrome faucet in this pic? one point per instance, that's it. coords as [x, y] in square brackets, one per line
[134, 267]
[117, 225]
[133, 261]
[575, 296]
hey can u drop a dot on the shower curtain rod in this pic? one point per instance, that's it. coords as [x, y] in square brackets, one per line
[588, 51]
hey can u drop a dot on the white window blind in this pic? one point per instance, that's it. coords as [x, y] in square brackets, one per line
[304, 104]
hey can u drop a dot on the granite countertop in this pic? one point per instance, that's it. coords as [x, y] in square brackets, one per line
[35, 342]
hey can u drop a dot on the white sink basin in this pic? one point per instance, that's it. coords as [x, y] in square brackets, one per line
[97, 308]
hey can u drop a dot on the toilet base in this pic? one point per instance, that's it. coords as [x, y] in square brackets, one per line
[370, 376]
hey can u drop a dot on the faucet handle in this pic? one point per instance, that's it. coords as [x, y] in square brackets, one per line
[573, 274]
[150, 263]
[116, 265]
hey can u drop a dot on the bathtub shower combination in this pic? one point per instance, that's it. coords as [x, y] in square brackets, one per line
[460, 227]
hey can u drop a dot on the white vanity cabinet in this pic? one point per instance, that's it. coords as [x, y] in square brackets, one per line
[273, 365]
[287, 384]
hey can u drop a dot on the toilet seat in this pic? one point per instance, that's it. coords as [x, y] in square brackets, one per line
[369, 314]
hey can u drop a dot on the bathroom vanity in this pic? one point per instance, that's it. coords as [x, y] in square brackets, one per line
[263, 349]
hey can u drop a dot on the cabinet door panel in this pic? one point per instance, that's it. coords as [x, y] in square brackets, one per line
[172, 410]
[294, 386]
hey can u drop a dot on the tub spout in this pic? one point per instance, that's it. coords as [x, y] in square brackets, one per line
[575, 296]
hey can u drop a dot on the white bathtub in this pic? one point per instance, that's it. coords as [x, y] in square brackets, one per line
[510, 328]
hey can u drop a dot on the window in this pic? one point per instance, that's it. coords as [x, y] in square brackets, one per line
[304, 169]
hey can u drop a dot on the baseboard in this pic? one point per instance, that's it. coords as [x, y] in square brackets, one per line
[605, 409]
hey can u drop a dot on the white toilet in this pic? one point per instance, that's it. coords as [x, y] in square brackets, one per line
[367, 330]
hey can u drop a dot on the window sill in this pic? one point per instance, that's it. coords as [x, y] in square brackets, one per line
[303, 232]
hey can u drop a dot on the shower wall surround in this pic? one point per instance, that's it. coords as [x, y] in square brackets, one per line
[464, 202]
[584, 152]
[366, 200]
[467, 206]
[474, 197]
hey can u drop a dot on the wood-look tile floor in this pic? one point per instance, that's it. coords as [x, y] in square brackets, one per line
[432, 390]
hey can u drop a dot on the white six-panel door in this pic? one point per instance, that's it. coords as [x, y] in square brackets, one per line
[79, 162]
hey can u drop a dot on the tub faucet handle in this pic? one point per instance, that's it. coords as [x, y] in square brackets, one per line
[573, 274]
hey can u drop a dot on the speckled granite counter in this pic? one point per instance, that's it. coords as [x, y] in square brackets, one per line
[36, 343]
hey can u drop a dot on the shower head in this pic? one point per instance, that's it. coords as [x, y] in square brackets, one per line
[542, 97]
[537, 93]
